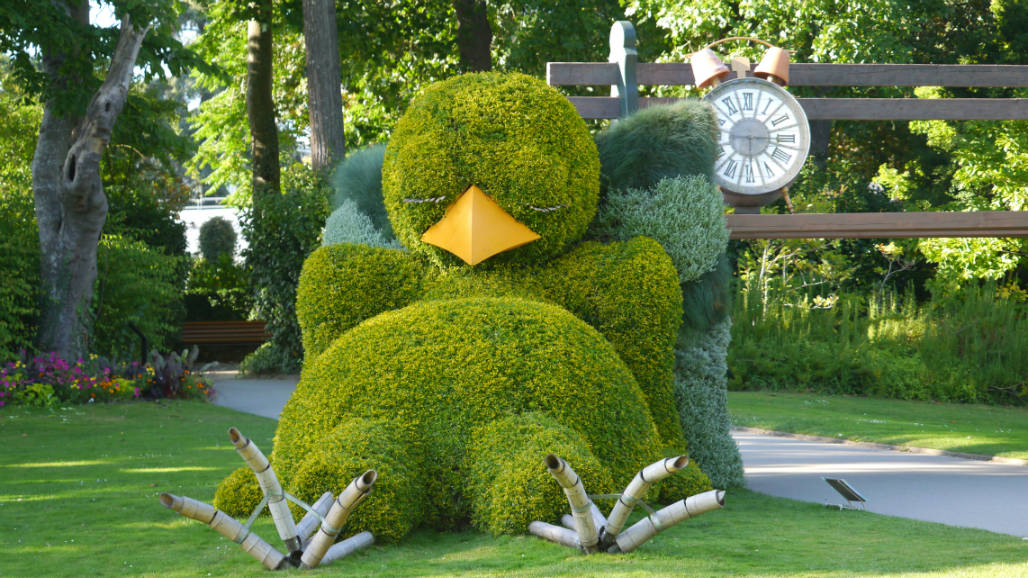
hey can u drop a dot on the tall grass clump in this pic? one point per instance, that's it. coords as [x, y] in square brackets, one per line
[966, 347]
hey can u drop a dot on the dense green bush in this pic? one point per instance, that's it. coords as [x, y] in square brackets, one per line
[438, 370]
[348, 224]
[19, 269]
[701, 369]
[359, 179]
[218, 291]
[966, 348]
[684, 214]
[282, 230]
[137, 286]
[658, 142]
[217, 238]
[520, 141]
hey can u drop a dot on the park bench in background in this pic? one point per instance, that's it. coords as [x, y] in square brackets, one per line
[224, 333]
[624, 74]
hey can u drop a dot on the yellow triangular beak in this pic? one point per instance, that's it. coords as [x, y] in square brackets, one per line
[475, 228]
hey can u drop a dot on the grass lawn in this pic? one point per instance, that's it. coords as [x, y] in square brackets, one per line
[79, 487]
[976, 429]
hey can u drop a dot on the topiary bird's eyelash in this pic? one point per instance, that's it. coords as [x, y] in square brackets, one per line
[430, 200]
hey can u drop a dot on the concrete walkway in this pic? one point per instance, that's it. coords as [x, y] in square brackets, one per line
[948, 490]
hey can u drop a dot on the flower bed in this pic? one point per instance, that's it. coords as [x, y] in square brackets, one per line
[47, 380]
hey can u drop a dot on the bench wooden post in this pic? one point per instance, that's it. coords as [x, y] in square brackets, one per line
[623, 53]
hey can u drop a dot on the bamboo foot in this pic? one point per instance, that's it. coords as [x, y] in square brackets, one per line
[586, 528]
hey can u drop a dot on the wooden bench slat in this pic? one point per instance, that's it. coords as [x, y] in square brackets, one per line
[885, 109]
[804, 74]
[226, 332]
[879, 225]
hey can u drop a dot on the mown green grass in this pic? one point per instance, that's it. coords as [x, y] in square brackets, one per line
[976, 429]
[79, 487]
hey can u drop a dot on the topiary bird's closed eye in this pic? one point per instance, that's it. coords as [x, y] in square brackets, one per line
[429, 200]
[547, 209]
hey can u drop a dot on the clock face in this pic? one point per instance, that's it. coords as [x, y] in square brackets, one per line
[764, 138]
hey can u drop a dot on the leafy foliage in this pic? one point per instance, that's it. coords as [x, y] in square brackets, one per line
[281, 231]
[218, 291]
[137, 289]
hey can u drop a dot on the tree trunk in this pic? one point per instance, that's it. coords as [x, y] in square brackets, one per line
[260, 106]
[70, 203]
[474, 35]
[325, 106]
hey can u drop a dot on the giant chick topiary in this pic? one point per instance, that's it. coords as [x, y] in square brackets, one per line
[499, 335]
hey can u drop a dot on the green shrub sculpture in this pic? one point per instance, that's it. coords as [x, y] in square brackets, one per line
[454, 381]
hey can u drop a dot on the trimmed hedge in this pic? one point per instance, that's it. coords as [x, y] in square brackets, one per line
[516, 138]
[434, 374]
[344, 284]
[658, 142]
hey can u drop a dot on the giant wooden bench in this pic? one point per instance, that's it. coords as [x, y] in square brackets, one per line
[224, 333]
[623, 73]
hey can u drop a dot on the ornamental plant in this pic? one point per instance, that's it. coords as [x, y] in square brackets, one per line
[48, 381]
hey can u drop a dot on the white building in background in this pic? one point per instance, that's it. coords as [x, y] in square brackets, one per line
[198, 213]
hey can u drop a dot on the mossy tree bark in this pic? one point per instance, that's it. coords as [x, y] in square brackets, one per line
[71, 207]
[325, 101]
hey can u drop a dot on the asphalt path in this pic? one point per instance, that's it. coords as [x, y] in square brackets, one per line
[949, 490]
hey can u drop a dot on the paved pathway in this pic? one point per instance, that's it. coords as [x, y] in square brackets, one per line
[949, 490]
[954, 491]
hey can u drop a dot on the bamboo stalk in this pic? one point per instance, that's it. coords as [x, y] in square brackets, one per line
[341, 508]
[557, 534]
[581, 505]
[271, 487]
[347, 547]
[648, 527]
[228, 527]
[309, 524]
[637, 488]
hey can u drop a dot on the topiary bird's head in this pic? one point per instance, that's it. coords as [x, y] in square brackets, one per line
[490, 166]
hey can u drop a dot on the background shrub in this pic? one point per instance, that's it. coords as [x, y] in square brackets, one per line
[137, 286]
[282, 230]
[658, 142]
[19, 269]
[348, 224]
[217, 238]
[684, 214]
[218, 291]
[358, 178]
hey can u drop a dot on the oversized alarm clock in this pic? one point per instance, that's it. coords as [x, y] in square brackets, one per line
[764, 134]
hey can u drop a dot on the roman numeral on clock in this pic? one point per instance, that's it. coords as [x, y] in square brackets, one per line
[780, 120]
[780, 155]
[730, 168]
[786, 138]
[729, 105]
